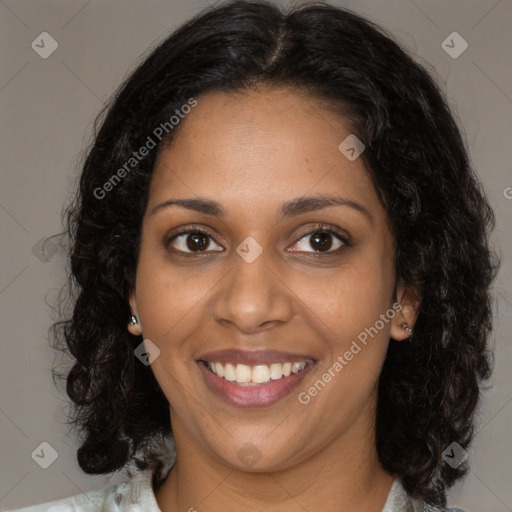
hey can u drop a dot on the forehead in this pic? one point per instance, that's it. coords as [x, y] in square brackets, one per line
[258, 148]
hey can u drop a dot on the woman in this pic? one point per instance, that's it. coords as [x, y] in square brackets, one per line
[281, 259]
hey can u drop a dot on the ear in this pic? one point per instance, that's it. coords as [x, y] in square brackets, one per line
[409, 302]
[135, 329]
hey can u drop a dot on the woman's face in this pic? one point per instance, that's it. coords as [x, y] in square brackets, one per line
[266, 286]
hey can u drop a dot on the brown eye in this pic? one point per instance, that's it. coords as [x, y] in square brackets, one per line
[197, 241]
[321, 240]
[192, 241]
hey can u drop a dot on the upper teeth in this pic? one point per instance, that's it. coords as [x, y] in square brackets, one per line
[259, 374]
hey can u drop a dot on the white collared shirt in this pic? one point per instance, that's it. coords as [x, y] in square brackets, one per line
[136, 495]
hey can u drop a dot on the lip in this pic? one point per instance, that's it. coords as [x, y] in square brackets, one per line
[261, 395]
[253, 357]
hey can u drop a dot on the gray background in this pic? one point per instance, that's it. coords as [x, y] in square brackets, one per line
[48, 106]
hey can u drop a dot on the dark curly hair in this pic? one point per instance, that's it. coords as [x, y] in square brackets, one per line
[429, 388]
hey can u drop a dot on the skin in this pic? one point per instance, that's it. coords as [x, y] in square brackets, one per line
[251, 152]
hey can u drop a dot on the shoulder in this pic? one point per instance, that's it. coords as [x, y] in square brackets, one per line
[421, 506]
[135, 495]
[430, 508]
[399, 501]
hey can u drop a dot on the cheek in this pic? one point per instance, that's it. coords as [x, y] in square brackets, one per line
[171, 308]
[345, 312]
[170, 302]
[345, 302]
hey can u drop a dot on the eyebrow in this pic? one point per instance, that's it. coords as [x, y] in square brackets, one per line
[291, 208]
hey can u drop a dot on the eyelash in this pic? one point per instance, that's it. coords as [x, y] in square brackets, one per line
[320, 228]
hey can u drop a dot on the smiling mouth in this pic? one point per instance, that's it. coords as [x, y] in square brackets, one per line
[245, 375]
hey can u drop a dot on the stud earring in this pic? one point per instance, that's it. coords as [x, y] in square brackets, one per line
[405, 327]
[133, 320]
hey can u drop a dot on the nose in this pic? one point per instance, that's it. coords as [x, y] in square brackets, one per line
[253, 296]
